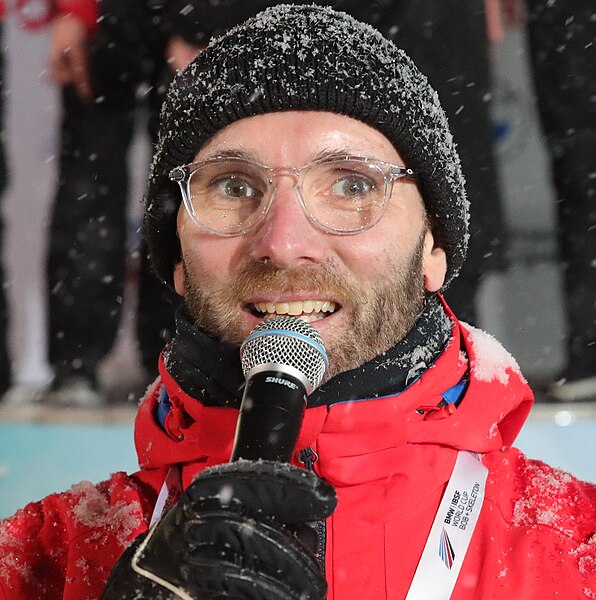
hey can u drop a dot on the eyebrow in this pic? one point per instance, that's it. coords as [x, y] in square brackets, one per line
[334, 154]
[242, 154]
[325, 154]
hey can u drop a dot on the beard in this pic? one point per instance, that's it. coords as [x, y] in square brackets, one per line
[380, 313]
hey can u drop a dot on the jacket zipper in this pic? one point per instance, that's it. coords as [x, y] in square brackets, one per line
[308, 457]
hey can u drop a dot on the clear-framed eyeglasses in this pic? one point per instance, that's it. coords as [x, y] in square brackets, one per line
[231, 196]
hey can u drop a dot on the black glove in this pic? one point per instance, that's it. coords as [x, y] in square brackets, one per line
[240, 531]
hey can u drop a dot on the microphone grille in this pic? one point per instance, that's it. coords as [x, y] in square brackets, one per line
[286, 340]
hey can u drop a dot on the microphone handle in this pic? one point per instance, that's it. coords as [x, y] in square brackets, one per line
[271, 415]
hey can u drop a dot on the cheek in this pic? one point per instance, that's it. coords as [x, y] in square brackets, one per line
[208, 257]
[365, 257]
[371, 255]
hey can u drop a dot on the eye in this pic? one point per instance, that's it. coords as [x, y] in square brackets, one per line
[235, 186]
[352, 185]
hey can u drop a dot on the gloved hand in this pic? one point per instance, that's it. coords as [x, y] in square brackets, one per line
[240, 531]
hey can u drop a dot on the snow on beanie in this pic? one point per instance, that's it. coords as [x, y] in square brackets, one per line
[306, 57]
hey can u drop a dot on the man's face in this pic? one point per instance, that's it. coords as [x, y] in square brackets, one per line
[362, 292]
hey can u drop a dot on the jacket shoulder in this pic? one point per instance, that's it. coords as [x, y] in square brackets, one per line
[553, 498]
[546, 503]
[81, 531]
[530, 493]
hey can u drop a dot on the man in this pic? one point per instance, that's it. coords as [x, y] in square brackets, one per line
[323, 182]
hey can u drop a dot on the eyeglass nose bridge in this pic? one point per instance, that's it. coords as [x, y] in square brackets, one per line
[274, 173]
[297, 174]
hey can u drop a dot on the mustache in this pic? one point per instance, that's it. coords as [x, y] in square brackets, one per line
[266, 278]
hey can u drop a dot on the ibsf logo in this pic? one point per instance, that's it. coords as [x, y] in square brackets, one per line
[446, 551]
[281, 381]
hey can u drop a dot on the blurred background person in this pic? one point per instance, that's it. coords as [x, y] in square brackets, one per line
[562, 41]
[111, 57]
[562, 51]
[100, 54]
[5, 366]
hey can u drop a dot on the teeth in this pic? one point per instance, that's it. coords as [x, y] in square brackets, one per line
[308, 306]
[309, 310]
[282, 308]
[310, 318]
[295, 308]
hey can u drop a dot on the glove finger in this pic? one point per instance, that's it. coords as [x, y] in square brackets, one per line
[229, 543]
[125, 584]
[225, 584]
[307, 536]
[264, 488]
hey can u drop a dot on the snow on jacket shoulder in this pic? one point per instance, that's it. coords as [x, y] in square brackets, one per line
[544, 542]
[64, 546]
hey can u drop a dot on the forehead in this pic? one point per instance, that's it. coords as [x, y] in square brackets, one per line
[291, 137]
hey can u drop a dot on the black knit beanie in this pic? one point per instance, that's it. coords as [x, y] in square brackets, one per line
[306, 57]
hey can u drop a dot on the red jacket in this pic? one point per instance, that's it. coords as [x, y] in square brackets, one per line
[86, 10]
[42, 14]
[389, 464]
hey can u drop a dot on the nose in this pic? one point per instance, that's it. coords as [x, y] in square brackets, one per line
[287, 237]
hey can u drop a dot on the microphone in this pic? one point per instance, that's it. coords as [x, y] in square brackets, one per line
[283, 360]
